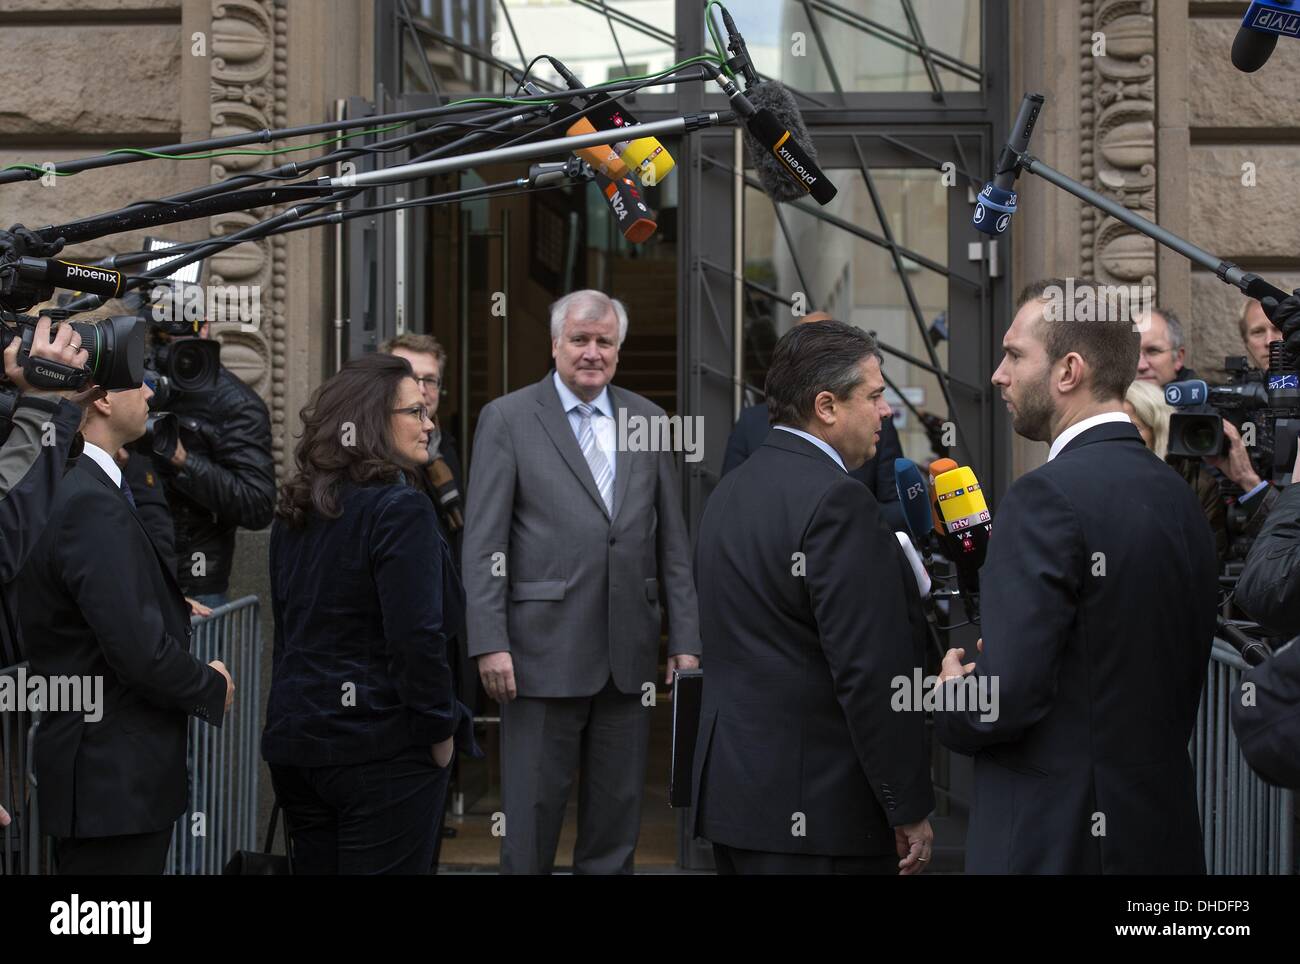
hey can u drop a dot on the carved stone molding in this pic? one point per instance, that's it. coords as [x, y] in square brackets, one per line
[1118, 137]
[249, 92]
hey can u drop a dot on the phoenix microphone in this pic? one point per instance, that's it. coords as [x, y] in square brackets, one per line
[630, 212]
[75, 277]
[1264, 22]
[997, 202]
[776, 134]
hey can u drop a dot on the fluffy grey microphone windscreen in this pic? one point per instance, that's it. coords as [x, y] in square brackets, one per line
[777, 182]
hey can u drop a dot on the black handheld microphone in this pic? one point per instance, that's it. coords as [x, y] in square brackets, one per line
[1264, 22]
[776, 135]
[68, 274]
[997, 202]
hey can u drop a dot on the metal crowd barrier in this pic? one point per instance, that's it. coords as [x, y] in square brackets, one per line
[224, 761]
[1248, 826]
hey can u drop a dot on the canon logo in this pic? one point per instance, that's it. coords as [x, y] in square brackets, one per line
[785, 155]
[47, 372]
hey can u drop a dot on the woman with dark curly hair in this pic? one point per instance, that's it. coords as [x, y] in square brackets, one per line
[362, 710]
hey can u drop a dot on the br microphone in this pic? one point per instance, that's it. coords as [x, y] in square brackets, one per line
[914, 496]
[997, 202]
[1264, 22]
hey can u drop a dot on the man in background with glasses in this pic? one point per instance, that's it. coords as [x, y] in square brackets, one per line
[441, 479]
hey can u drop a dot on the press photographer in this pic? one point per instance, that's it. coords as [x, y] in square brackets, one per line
[219, 474]
[38, 430]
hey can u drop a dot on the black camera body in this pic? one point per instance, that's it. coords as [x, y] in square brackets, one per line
[1268, 401]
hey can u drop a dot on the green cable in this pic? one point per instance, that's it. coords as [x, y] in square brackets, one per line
[507, 101]
[713, 32]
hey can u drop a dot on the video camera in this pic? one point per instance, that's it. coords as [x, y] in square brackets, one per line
[1267, 401]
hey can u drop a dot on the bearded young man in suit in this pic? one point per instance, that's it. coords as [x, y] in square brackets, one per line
[99, 601]
[1099, 596]
[572, 540]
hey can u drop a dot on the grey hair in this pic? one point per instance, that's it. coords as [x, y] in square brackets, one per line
[1176, 337]
[587, 305]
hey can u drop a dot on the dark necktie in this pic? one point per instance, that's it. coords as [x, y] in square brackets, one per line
[126, 491]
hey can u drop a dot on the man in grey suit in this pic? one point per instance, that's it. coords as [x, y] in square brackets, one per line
[569, 538]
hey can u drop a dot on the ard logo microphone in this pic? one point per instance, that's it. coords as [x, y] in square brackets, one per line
[997, 202]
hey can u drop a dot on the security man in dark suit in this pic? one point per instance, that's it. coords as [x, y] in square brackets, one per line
[810, 611]
[99, 601]
[1099, 596]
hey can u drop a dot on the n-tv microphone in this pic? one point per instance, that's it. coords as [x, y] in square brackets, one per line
[776, 135]
[997, 202]
[967, 526]
[644, 156]
[1264, 22]
[938, 467]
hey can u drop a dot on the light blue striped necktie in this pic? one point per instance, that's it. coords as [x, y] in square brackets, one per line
[596, 461]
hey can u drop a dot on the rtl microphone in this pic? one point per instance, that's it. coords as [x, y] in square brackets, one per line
[631, 215]
[997, 202]
[67, 274]
[1264, 22]
[645, 156]
[776, 135]
[967, 524]
[602, 157]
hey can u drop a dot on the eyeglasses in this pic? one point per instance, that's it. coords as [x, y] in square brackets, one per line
[429, 381]
[419, 411]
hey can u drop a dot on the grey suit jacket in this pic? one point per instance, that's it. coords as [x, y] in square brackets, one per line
[571, 593]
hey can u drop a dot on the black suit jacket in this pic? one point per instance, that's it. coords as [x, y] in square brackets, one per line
[98, 600]
[876, 473]
[1098, 596]
[808, 611]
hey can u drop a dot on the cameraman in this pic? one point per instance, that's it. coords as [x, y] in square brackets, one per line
[36, 444]
[1268, 724]
[220, 478]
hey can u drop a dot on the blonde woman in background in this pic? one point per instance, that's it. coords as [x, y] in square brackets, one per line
[1145, 404]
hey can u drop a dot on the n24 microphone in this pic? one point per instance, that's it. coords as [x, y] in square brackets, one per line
[1264, 22]
[630, 212]
[997, 202]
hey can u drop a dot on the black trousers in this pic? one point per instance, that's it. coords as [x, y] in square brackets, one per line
[733, 860]
[140, 853]
[379, 817]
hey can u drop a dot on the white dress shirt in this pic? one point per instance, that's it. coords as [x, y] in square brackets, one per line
[104, 461]
[820, 443]
[1077, 428]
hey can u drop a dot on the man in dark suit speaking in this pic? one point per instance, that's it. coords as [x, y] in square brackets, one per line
[809, 610]
[99, 601]
[1099, 596]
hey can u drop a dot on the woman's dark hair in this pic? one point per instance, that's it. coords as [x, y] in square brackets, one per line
[815, 357]
[345, 437]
